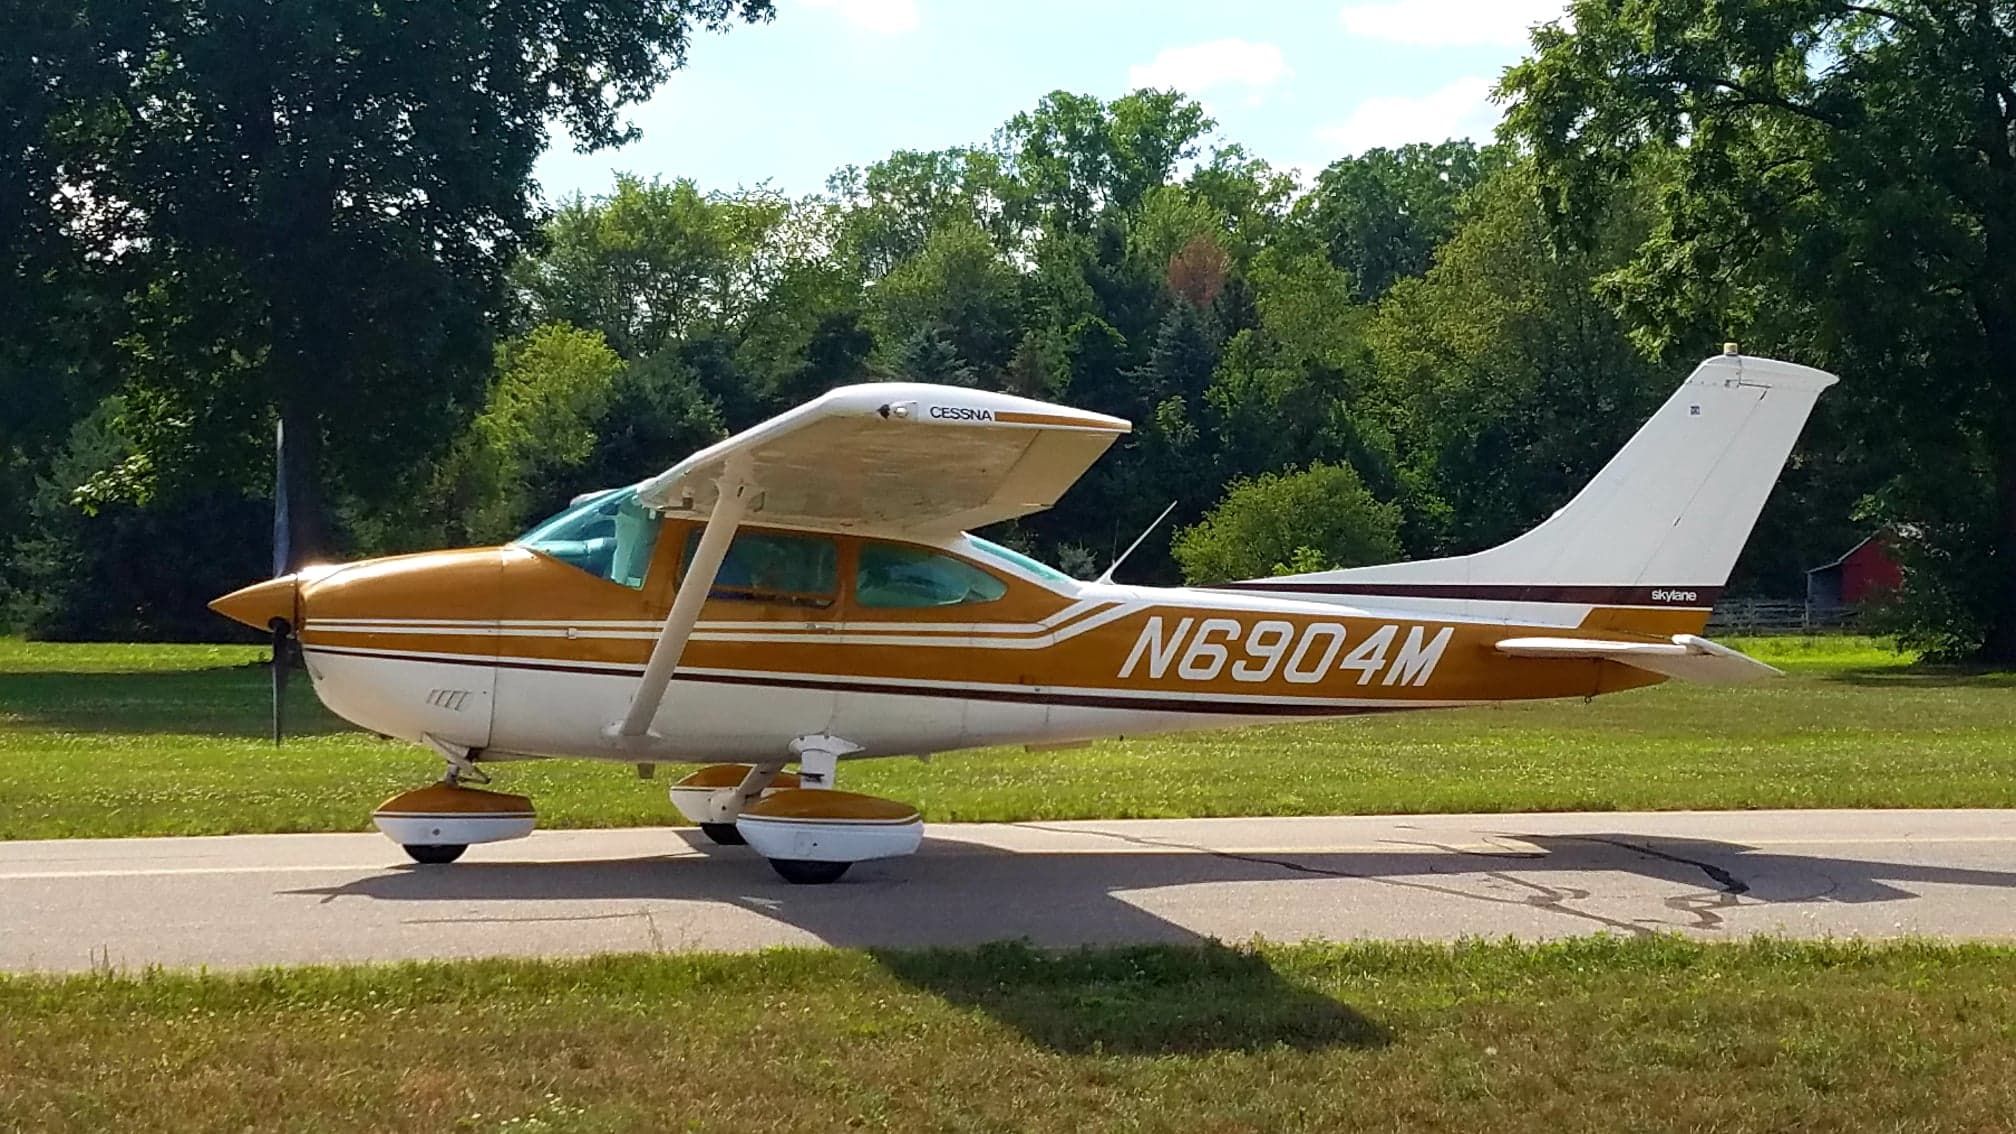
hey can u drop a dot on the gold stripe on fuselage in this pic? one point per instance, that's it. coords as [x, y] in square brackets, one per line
[521, 608]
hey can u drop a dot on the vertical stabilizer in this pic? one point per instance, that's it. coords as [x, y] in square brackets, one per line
[1666, 517]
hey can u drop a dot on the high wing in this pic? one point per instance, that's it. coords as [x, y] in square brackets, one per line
[900, 457]
[1685, 656]
[895, 457]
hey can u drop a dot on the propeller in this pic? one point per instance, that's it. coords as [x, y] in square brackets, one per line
[274, 606]
[283, 664]
[283, 630]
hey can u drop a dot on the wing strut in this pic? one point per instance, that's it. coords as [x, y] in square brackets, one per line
[736, 492]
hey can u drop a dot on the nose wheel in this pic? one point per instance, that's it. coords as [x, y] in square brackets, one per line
[808, 872]
[434, 825]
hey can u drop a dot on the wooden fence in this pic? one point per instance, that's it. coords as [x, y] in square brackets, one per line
[1779, 616]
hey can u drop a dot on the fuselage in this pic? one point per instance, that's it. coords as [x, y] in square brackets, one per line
[900, 646]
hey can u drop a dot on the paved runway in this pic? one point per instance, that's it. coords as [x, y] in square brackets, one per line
[263, 899]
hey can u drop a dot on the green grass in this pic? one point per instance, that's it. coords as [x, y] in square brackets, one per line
[1596, 1034]
[132, 740]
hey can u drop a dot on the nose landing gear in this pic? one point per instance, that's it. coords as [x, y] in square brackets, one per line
[436, 823]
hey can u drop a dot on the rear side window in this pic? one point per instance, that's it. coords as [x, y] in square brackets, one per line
[772, 567]
[891, 575]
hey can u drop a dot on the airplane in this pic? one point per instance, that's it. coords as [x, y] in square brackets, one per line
[808, 592]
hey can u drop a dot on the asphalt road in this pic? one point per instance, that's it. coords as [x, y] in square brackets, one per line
[267, 899]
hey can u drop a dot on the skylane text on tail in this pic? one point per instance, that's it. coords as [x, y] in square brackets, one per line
[806, 591]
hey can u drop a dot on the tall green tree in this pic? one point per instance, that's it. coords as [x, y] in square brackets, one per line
[1381, 214]
[1505, 379]
[1842, 188]
[60, 314]
[960, 288]
[551, 387]
[106, 568]
[894, 205]
[926, 356]
[1294, 386]
[564, 415]
[654, 262]
[739, 289]
[1074, 156]
[321, 198]
[1316, 518]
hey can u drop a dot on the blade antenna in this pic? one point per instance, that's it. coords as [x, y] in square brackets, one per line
[1106, 576]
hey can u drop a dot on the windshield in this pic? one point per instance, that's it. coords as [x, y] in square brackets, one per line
[1008, 555]
[609, 535]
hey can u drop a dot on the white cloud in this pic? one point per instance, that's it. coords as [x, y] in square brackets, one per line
[1202, 67]
[1462, 109]
[1449, 23]
[883, 17]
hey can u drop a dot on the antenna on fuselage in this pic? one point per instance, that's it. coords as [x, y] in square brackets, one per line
[1106, 576]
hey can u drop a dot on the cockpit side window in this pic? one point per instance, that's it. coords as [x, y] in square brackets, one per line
[802, 570]
[609, 535]
[895, 575]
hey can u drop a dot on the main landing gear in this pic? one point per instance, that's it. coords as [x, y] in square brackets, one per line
[724, 834]
[716, 795]
[809, 832]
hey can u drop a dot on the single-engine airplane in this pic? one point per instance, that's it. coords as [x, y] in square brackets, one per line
[806, 592]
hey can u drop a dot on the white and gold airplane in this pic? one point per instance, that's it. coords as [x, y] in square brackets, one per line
[806, 592]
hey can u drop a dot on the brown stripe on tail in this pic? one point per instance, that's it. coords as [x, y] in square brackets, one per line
[1658, 598]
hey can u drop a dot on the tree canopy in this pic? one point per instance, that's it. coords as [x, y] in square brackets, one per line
[1834, 181]
[223, 213]
[1314, 519]
[308, 209]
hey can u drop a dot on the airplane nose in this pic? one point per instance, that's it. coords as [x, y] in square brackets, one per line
[259, 604]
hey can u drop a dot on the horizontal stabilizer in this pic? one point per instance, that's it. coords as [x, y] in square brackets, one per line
[1686, 656]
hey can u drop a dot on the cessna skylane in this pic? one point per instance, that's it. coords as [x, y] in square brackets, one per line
[806, 592]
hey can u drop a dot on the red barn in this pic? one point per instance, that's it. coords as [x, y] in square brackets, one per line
[1865, 572]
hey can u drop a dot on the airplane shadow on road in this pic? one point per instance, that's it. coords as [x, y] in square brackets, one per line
[912, 915]
[1165, 990]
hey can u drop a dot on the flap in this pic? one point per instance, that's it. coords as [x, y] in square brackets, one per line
[898, 457]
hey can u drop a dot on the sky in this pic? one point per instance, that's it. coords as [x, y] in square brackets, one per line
[829, 83]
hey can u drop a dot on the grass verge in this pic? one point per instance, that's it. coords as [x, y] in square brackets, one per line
[137, 740]
[1591, 1034]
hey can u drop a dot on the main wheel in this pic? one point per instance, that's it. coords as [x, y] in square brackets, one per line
[723, 833]
[805, 872]
[436, 854]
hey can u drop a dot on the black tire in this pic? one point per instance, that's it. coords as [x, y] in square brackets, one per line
[805, 872]
[436, 854]
[727, 834]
